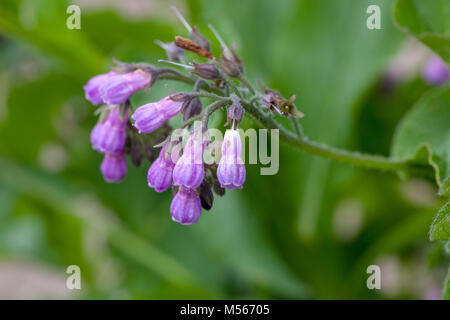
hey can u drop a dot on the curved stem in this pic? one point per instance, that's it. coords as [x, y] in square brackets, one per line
[247, 83]
[355, 158]
[210, 110]
[297, 127]
[172, 74]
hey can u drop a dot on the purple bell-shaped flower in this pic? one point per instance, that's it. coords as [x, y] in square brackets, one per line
[109, 135]
[231, 168]
[118, 88]
[186, 206]
[92, 88]
[160, 172]
[189, 169]
[151, 116]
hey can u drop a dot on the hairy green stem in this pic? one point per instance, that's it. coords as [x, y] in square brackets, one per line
[301, 142]
[297, 127]
[210, 109]
[247, 83]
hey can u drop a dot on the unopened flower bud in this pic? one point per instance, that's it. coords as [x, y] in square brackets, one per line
[199, 39]
[235, 113]
[206, 195]
[191, 108]
[231, 63]
[180, 96]
[206, 70]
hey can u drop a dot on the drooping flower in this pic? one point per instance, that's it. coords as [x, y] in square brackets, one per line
[159, 175]
[186, 206]
[231, 168]
[436, 72]
[189, 169]
[234, 114]
[109, 135]
[114, 167]
[92, 88]
[118, 88]
[151, 116]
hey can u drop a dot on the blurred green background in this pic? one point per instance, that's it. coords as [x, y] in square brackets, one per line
[308, 232]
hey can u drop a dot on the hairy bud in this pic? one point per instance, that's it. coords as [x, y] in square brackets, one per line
[231, 63]
[191, 108]
[235, 113]
[206, 70]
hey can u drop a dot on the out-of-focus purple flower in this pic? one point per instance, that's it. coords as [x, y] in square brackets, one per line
[231, 168]
[118, 88]
[114, 167]
[160, 172]
[186, 206]
[109, 135]
[92, 88]
[189, 170]
[151, 116]
[436, 72]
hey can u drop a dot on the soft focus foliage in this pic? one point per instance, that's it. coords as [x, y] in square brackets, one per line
[308, 232]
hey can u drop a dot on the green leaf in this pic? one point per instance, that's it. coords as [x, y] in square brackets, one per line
[444, 190]
[50, 34]
[423, 135]
[440, 228]
[428, 21]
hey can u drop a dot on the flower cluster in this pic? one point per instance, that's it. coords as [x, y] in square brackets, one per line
[123, 130]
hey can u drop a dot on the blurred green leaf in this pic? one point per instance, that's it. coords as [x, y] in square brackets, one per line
[124, 37]
[444, 190]
[429, 21]
[49, 33]
[55, 195]
[440, 228]
[423, 135]
[240, 235]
